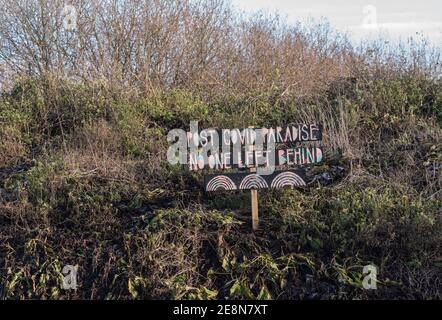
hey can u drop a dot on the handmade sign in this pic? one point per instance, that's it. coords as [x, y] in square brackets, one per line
[292, 133]
[248, 181]
[297, 156]
[231, 149]
[260, 151]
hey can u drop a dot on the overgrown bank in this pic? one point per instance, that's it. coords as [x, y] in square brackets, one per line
[84, 181]
[84, 114]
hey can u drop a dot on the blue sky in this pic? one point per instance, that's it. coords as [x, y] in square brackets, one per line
[362, 19]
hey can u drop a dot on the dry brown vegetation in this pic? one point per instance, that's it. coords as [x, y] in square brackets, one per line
[84, 179]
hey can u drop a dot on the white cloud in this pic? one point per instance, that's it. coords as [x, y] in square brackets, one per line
[394, 31]
[415, 26]
[395, 18]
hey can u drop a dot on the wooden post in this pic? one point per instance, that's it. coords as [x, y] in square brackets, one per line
[255, 216]
[254, 198]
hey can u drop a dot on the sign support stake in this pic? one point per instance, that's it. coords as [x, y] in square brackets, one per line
[255, 216]
[254, 198]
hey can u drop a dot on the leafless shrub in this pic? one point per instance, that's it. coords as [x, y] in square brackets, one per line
[204, 45]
